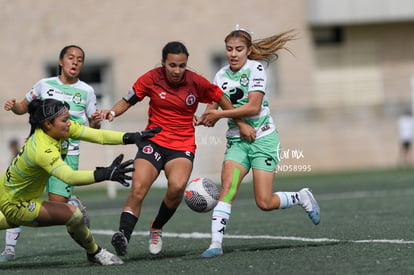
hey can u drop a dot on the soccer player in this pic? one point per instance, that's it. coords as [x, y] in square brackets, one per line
[243, 81]
[174, 94]
[405, 130]
[66, 86]
[22, 185]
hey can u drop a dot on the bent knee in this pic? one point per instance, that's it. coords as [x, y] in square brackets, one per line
[266, 205]
[77, 217]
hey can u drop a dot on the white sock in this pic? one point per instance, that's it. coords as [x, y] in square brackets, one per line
[220, 218]
[12, 234]
[288, 199]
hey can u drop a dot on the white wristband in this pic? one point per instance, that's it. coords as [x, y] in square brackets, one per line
[112, 113]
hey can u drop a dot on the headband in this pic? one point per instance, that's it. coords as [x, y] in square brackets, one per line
[51, 111]
[243, 30]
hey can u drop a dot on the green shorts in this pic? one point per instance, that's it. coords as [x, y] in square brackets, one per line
[58, 187]
[262, 154]
[21, 212]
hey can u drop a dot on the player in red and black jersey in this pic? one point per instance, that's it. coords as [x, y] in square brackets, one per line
[174, 94]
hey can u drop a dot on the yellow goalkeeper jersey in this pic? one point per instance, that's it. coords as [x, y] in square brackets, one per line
[40, 158]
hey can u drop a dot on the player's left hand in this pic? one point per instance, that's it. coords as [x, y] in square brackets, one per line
[210, 117]
[247, 132]
[116, 172]
[137, 137]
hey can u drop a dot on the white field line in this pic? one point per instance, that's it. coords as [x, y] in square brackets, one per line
[198, 235]
[323, 197]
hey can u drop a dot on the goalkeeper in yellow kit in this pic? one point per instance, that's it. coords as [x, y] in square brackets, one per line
[22, 185]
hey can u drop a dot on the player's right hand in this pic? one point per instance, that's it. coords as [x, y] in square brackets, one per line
[9, 104]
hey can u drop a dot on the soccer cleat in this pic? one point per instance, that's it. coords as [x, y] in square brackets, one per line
[212, 252]
[103, 257]
[155, 242]
[120, 243]
[76, 202]
[7, 255]
[310, 205]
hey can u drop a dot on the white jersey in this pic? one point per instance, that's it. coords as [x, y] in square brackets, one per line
[80, 97]
[236, 86]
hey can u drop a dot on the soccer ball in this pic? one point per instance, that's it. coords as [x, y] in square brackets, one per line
[201, 195]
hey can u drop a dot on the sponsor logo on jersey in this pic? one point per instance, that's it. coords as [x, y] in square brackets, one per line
[258, 82]
[148, 149]
[129, 95]
[53, 161]
[190, 99]
[244, 80]
[162, 95]
[32, 94]
[50, 92]
[265, 127]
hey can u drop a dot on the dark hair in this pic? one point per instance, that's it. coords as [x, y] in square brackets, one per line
[44, 110]
[174, 47]
[63, 52]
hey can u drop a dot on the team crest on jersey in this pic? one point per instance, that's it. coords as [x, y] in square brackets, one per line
[244, 80]
[190, 99]
[77, 98]
[32, 206]
[148, 149]
[65, 144]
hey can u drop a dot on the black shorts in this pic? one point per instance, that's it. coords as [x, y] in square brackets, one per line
[158, 155]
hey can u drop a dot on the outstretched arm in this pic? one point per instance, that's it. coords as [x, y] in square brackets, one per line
[19, 108]
[118, 109]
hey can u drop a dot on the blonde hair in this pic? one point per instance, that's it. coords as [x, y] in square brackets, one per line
[266, 48]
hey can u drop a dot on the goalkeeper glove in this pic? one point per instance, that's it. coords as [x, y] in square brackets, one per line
[116, 172]
[137, 137]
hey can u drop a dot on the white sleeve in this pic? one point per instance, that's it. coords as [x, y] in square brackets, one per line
[34, 92]
[91, 104]
[258, 78]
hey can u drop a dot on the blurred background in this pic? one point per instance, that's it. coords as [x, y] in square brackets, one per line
[336, 101]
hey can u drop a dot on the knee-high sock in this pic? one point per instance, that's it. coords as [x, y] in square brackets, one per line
[163, 216]
[220, 218]
[127, 224]
[78, 230]
[12, 234]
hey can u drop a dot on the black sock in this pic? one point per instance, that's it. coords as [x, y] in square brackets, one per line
[97, 251]
[127, 224]
[163, 216]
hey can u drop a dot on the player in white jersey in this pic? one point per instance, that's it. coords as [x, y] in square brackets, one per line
[66, 87]
[255, 146]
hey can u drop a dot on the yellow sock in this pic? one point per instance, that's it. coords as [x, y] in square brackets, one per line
[80, 232]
